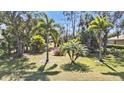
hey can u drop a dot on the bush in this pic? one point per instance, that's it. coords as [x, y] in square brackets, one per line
[116, 52]
[115, 46]
[58, 51]
[74, 49]
[37, 43]
[4, 47]
[1, 52]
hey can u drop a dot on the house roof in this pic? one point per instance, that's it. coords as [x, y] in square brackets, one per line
[121, 37]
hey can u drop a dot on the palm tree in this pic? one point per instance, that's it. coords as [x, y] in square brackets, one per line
[55, 36]
[47, 25]
[100, 26]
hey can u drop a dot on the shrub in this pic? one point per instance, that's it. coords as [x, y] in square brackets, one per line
[115, 46]
[3, 47]
[37, 43]
[58, 51]
[116, 52]
[1, 52]
[62, 52]
[74, 49]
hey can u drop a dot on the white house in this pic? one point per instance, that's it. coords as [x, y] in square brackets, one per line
[116, 40]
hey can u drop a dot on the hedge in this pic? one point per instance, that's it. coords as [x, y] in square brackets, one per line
[115, 46]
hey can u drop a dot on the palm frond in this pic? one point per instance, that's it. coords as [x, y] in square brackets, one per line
[97, 19]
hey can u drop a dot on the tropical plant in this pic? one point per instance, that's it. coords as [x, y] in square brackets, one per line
[46, 25]
[17, 29]
[55, 36]
[113, 17]
[74, 49]
[99, 26]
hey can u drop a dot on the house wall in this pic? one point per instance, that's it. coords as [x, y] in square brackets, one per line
[119, 42]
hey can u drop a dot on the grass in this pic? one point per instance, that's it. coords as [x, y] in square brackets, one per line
[60, 68]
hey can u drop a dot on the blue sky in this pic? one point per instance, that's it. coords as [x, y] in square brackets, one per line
[56, 15]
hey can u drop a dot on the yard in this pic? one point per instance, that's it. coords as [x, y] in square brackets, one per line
[59, 68]
[35, 46]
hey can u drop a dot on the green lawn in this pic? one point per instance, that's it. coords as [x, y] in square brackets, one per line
[59, 68]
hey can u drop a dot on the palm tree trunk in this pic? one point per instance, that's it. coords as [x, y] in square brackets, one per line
[100, 52]
[47, 52]
[105, 43]
[100, 46]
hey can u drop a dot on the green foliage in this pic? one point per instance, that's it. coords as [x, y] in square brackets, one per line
[1, 52]
[115, 46]
[4, 47]
[55, 36]
[116, 50]
[62, 52]
[100, 26]
[37, 43]
[74, 49]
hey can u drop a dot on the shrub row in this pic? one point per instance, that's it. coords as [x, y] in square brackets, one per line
[115, 46]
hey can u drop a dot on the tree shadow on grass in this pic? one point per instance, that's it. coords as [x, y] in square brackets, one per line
[27, 75]
[43, 76]
[35, 76]
[110, 67]
[15, 65]
[24, 76]
[52, 67]
[120, 74]
[78, 67]
[39, 75]
[20, 69]
[15, 69]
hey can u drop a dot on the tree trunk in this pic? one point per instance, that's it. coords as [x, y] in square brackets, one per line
[55, 45]
[19, 49]
[47, 52]
[100, 46]
[72, 62]
[26, 48]
[105, 43]
[9, 49]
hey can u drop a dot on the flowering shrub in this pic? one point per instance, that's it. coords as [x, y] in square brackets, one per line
[58, 51]
[37, 43]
